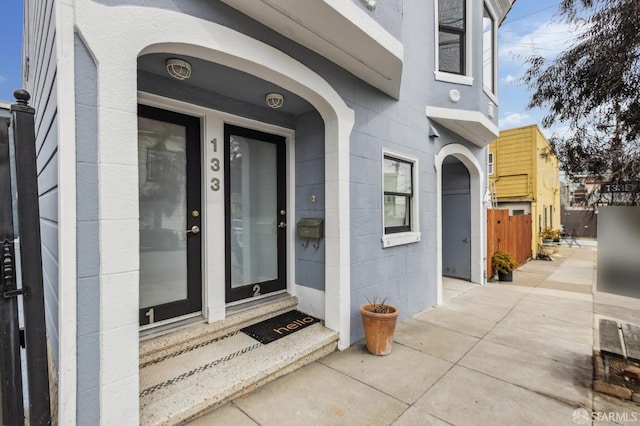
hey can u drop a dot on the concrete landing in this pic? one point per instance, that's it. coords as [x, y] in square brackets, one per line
[190, 372]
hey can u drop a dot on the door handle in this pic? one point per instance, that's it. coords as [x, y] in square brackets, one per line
[194, 229]
[466, 240]
[282, 225]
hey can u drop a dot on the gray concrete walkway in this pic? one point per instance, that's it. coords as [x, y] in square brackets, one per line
[517, 354]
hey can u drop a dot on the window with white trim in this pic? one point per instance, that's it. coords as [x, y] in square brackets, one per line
[488, 51]
[400, 208]
[452, 27]
[490, 163]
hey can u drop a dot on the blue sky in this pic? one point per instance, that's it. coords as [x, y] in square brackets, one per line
[528, 28]
[11, 48]
[532, 26]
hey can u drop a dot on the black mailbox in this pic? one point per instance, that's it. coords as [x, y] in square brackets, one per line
[310, 228]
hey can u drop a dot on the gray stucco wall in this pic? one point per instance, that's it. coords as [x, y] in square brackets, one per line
[309, 187]
[88, 243]
[405, 274]
[388, 13]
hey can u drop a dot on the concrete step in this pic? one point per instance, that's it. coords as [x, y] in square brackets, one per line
[192, 335]
[185, 386]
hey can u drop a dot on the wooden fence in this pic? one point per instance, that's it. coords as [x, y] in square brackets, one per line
[511, 234]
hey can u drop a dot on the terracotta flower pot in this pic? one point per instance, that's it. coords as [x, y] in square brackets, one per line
[379, 329]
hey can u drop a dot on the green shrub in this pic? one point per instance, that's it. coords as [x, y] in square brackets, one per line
[503, 262]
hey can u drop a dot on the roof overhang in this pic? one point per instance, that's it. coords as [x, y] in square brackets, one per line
[338, 30]
[501, 8]
[471, 125]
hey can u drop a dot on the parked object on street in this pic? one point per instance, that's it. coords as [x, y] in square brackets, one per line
[379, 323]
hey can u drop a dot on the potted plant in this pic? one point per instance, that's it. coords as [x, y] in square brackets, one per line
[548, 235]
[379, 323]
[503, 263]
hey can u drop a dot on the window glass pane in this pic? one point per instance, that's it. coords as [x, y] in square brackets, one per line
[487, 50]
[451, 13]
[253, 184]
[490, 163]
[397, 176]
[396, 210]
[163, 221]
[450, 50]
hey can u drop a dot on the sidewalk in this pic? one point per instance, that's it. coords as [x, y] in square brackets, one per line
[490, 355]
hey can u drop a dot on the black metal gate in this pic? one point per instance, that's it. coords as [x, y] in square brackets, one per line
[19, 210]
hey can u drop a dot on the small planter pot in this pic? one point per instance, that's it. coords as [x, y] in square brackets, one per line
[379, 329]
[507, 277]
[547, 249]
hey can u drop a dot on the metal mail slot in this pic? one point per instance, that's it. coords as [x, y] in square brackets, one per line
[310, 228]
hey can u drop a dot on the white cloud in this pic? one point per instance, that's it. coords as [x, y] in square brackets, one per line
[2, 78]
[509, 79]
[546, 40]
[514, 120]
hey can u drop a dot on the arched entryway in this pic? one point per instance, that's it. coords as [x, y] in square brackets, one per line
[117, 189]
[456, 219]
[460, 216]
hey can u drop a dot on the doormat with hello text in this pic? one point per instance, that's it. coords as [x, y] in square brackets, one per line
[274, 328]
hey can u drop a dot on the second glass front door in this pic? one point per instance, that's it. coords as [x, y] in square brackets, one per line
[256, 213]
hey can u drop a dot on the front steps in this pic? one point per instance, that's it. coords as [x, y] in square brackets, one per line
[187, 373]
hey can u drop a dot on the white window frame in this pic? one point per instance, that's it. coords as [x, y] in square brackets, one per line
[413, 235]
[493, 94]
[490, 163]
[466, 78]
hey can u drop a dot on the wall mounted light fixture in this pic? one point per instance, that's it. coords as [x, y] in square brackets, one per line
[178, 69]
[274, 100]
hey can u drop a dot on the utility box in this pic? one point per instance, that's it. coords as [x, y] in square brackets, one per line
[310, 228]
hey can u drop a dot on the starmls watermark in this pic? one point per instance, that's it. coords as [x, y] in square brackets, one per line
[582, 416]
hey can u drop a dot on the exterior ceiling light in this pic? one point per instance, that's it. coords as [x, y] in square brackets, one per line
[274, 100]
[178, 69]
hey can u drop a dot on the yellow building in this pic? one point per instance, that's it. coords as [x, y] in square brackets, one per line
[525, 178]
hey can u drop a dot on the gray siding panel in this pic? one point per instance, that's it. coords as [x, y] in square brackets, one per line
[48, 177]
[41, 83]
[49, 206]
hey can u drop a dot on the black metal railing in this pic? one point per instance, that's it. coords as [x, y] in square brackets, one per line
[22, 189]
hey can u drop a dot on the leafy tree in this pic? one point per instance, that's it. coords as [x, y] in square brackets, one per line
[594, 88]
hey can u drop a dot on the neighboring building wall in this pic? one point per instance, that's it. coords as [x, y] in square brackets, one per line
[516, 208]
[526, 172]
[547, 182]
[40, 81]
[513, 165]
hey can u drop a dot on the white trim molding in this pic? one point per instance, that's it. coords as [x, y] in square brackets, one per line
[67, 215]
[478, 213]
[354, 40]
[412, 236]
[466, 78]
[471, 125]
